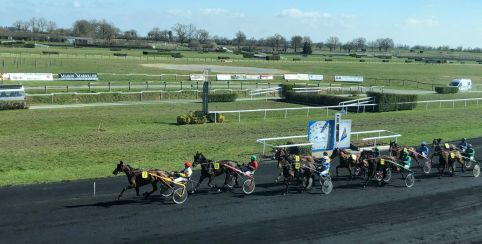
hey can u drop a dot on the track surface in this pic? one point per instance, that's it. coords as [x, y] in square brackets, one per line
[446, 210]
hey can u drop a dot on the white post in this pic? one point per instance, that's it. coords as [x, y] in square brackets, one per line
[264, 115]
[94, 188]
[308, 113]
[215, 119]
[239, 117]
[286, 113]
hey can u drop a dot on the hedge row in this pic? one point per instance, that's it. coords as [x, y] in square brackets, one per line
[274, 57]
[50, 52]
[315, 99]
[198, 117]
[446, 89]
[287, 87]
[222, 97]
[120, 54]
[7, 105]
[389, 102]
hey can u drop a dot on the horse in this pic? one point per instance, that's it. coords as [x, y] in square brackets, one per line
[211, 169]
[368, 162]
[447, 159]
[396, 152]
[135, 179]
[347, 160]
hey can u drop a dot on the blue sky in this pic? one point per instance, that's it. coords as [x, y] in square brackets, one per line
[426, 22]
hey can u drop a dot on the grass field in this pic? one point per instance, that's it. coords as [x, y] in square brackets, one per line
[66, 144]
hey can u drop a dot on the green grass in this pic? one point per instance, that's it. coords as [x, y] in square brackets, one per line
[66, 144]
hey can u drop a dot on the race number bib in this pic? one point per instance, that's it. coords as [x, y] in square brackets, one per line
[297, 158]
[145, 174]
[452, 155]
[447, 145]
[216, 165]
[382, 161]
[297, 165]
[353, 156]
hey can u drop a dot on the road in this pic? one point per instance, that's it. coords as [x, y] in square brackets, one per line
[446, 210]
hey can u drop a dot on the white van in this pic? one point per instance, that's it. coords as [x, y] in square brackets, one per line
[462, 84]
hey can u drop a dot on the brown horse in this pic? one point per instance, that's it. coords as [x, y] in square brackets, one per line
[347, 160]
[396, 150]
[135, 179]
[447, 159]
[211, 169]
[280, 154]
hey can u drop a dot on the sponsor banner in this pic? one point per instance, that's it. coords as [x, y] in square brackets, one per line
[78, 76]
[297, 77]
[266, 77]
[316, 77]
[253, 77]
[27, 76]
[223, 77]
[344, 131]
[321, 134]
[349, 78]
[238, 77]
[196, 77]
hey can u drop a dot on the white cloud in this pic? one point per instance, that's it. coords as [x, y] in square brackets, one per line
[180, 13]
[213, 11]
[421, 22]
[296, 13]
[76, 4]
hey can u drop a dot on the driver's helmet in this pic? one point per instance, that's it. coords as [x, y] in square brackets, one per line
[253, 157]
[325, 154]
[376, 149]
[187, 164]
[424, 143]
[464, 139]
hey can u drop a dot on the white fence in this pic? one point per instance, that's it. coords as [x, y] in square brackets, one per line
[361, 107]
[378, 135]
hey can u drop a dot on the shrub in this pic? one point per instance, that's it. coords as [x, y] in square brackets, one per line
[296, 59]
[298, 150]
[248, 55]
[362, 60]
[408, 61]
[120, 54]
[7, 105]
[385, 61]
[219, 118]
[50, 52]
[222, 97]
[29, 45]
[274, 57]
[446, 89]
[222, 57]
[314, 99]
[116, 49]
[389, 102]
[287, 87]
[328, 59]
[197, 117]
[176, 55]
[237, 52]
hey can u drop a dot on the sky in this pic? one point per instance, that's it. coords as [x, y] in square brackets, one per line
[413, 22]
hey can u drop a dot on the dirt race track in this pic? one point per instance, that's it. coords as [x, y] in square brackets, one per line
[446, 210]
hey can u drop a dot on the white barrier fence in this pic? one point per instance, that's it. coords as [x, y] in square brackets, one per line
[379, 135]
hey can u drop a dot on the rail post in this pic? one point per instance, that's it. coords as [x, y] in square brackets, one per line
[129, 85]
[239, 116]
[109, 85]
[286, 113]
[147, 85]
[264, 115]
[89, 85]
[67, 87]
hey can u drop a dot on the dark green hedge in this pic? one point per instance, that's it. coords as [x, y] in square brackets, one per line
[388, 101]
[120, 54]
[50, 52]
[176, 55]
[298, 150]
[287, 87]
[223, 57]
[248, 55]
[274, 57]
[446, 89]
[314, 99]
[7, 105]
[222, 97]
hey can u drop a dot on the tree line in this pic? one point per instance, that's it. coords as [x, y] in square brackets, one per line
[197, 38]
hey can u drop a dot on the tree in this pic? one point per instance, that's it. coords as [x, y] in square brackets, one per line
[194, 44]
[349, 46]
[154, 34]
[240, 38]
[130, 34]
[384, 43]
[296, 42]
[307, 48]
[360, 43]
[181, 31]
[202, 36]
[42, 24]
[106, 30]
[83, 28]
[279, 39]
[372, 45]
[51, 26]
[33, 24]
[21, 25]
[332, 43]
[190, 31]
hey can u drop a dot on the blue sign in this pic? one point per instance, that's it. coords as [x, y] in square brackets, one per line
[321, 134]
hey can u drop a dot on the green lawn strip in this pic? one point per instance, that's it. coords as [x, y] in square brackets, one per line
[66, 144]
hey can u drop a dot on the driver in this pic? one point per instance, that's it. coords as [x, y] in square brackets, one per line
[252, 165]
[463, 144]
[424, 150]
[405, 160]
[376, 152]
[324, 164]
[185, 174]
[470, 152]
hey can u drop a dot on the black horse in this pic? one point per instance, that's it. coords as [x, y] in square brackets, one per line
[210, 169]
[135, 179]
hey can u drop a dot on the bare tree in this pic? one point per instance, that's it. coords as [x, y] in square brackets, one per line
[384, 43]
[349, 46]
[33, 24]
[181, 31]
[372, 45]
[106, 30]
[154, 34]
[191, 31]
[202, 35]
[21, 25]
[51, 26]
[42, 24]
[240, 38]
[83, 28]
[130, 34]
[360, 43]
[296, 42]
[332, 43]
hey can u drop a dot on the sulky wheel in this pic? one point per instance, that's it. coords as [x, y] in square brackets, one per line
[379, 175]
[248, 186]
[180, 195]
[327, 186]
[166, 191]
[427, 166]
[476, 170]
[410, 180]
[388, 175]
[468, 163]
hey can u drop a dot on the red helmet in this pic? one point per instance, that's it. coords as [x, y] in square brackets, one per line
[187, 164]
